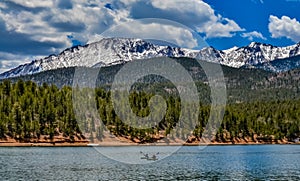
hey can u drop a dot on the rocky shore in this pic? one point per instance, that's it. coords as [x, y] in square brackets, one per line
[110, 140]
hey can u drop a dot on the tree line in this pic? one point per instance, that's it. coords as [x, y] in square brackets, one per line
[29, 111]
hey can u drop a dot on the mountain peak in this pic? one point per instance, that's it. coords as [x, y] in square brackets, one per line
[111, 51]
[230, 49]
[253, 44]
[256, 44]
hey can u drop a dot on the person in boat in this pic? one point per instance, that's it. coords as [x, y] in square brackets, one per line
[153, 157]
[146, 155]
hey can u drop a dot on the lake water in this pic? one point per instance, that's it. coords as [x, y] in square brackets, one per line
[261, 162]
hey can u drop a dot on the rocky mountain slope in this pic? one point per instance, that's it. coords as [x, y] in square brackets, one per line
[112, 51]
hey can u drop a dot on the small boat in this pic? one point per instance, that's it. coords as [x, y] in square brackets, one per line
[152, 159]
[146, 157]
[92, 144]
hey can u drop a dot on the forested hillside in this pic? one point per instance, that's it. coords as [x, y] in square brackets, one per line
[243, 85]
[31, 112]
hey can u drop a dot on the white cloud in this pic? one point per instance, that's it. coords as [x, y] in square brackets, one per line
[6, 65]
[54, 24]
[49, 22]
[34, 4]
[200, 16]
[252, 35]
[155, 30]
[94, 18]
[28, 23]
[284, 27]
[49, 25]
[9, 60]
[215, 28]
[92, 15]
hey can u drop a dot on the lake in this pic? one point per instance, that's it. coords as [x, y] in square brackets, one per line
[252, 162]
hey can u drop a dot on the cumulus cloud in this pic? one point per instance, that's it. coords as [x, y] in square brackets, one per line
[42, 28]
[252, 35]
[33, 4]
[155, 29]
[220, 27]
[192, 13]
[9, 60]
[33, 28]
[284, 27]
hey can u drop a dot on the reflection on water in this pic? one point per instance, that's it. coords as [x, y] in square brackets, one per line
[265, 162]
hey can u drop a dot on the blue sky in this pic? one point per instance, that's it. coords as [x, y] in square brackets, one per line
[34, 29]
[254, 15]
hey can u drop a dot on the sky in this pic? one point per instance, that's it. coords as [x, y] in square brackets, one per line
[32, 29]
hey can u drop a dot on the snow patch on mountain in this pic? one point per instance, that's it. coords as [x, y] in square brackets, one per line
[111, 51]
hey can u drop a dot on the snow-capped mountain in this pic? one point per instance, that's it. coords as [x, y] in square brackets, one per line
[111, 51]
[257, 53]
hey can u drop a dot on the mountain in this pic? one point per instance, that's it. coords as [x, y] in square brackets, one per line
[279, 65]
[258, 53]
[112, 51]
[243, 85]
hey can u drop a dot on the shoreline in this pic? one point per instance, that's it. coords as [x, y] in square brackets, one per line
[113, 141]
[113, 144]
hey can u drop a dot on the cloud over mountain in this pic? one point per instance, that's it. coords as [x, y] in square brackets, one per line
[252, 35]
[36, 28]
